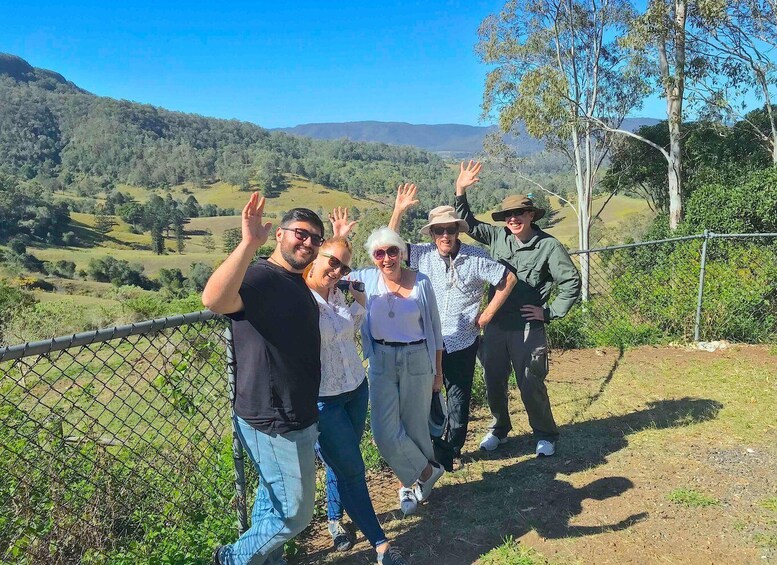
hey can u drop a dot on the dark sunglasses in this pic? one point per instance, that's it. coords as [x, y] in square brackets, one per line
[336, 264]
[439, 230]
[392, 252]
[517, 212]
[315, 239]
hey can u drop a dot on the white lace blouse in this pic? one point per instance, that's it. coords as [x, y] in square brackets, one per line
[341, 368]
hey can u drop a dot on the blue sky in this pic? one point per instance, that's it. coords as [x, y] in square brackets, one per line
[275, 64]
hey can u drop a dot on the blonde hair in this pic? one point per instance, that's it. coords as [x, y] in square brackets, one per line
[337, 241]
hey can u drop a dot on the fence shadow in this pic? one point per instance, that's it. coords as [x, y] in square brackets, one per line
[463, 521]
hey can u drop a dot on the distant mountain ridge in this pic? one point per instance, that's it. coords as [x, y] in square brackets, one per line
[20, 70]
[448, 139]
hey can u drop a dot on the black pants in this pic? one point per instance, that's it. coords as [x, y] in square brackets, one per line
[458, 368]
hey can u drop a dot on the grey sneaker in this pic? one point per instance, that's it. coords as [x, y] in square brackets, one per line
[391, 556]
[424, 488]
[341, 538]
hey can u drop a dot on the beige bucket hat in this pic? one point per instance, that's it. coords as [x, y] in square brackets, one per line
[444, 215]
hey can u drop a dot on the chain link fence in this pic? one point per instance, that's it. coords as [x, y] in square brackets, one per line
[698, 288]
[116, 445]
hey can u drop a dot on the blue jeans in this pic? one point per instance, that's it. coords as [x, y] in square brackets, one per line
[341, 421]
[286, 464]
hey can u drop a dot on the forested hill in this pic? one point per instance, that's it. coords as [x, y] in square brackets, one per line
[20, 70]
[62, 137]
[49, 127]
[456, 140]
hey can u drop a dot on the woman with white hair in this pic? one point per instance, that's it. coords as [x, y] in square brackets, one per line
[402, 338]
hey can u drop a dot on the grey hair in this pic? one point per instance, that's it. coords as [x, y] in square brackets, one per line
[385, 236]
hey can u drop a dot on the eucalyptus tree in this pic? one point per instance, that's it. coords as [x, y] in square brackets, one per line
[737, 40]
[558, 68]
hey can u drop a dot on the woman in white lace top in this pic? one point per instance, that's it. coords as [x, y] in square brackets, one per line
[343, 396]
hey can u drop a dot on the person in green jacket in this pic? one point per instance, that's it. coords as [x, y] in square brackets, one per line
[516, 334]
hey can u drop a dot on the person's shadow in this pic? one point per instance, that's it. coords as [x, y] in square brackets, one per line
[463, 521]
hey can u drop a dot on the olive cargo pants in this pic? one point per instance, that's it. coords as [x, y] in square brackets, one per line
[525, 351]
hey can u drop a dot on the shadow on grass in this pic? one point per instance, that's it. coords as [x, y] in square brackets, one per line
[463, 521]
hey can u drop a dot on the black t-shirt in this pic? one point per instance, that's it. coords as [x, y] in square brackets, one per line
[277, 350]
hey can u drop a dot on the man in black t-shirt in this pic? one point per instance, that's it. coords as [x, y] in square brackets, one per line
[277, 350]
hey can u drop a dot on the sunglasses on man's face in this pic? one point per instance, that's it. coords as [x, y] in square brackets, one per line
[440, 230]
[315, 239]
[392, 252]
[336, 264]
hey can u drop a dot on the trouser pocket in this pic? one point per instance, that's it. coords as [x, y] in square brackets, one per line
[538, 365]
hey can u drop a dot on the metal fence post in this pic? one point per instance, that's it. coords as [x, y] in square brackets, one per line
[697, 325]
[237, 447]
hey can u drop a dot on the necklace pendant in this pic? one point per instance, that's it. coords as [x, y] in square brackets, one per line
[391, 314]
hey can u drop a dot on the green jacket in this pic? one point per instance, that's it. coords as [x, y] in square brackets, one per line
[538, 264]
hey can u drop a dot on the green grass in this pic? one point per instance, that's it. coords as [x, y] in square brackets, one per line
[512, 553]
[769, 503]
[766, 540]
[692, 498]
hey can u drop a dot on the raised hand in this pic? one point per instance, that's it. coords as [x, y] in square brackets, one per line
[405, 198]
[254, 232]
[341, 227]
[468, 176]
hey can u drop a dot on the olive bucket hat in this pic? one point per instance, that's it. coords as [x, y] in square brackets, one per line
[517, 202]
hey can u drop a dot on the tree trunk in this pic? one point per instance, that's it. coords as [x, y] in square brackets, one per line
[674, 168]
[583, 216]
[674, 87]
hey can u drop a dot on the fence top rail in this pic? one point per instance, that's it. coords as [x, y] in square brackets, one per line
[637, 244]
[735, 235]
[672, 239]
[106, 334]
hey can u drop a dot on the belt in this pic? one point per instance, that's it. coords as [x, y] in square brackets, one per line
[399, 343]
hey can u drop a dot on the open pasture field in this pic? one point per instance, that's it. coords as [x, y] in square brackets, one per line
[300, 192]
[667, 455]
[121, 243]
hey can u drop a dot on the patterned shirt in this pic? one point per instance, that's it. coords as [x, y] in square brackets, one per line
[341, 369]
[459, 288]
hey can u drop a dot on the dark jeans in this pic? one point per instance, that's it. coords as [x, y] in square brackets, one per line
[526, 352]
[341, 421]
[458, 368]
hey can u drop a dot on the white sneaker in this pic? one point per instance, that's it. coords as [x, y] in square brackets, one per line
[545, 448]
[424, 488]
[490, 442]
[407, 501]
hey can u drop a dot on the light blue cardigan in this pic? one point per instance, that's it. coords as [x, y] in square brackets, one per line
[427, 303]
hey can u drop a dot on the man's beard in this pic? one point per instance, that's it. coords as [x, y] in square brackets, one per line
[294, 261]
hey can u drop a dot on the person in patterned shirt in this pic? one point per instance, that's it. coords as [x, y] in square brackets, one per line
[459, 273]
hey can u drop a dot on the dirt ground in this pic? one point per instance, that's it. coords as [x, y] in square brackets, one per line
[638, 427]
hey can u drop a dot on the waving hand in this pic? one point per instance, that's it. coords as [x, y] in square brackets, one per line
[341, 227]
